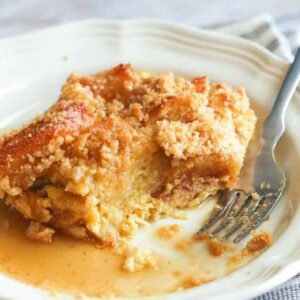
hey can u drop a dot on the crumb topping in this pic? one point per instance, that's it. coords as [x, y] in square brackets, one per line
[256, 244]
[120, 148]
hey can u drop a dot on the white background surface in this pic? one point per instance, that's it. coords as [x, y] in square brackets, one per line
[17, 16]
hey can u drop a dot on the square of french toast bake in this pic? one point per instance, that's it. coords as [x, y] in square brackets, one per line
[122, 147]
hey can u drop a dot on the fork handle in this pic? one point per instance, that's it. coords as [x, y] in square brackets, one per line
[274, 124]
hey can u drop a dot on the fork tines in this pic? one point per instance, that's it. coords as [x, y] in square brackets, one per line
[237, 212]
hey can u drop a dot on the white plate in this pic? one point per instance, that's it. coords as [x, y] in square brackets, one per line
[33, 66]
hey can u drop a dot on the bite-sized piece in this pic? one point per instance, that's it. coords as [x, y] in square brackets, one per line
[37, 232]
[120, 148]
[257, 243]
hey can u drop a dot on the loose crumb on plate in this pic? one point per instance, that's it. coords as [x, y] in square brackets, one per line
[202, 237]
[137, 259]
[257, 243]
[216, 247]
[193, 281]
[168, 231]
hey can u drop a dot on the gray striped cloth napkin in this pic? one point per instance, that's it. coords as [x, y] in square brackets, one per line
[282, 37]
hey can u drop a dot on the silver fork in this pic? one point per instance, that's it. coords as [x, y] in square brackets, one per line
[238, 212]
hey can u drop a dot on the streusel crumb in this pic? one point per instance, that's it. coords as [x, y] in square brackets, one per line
[137, 259]
[168, 231]
[121, 148]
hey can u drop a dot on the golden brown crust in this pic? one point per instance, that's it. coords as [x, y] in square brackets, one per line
[33, 149]
[121, 147]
